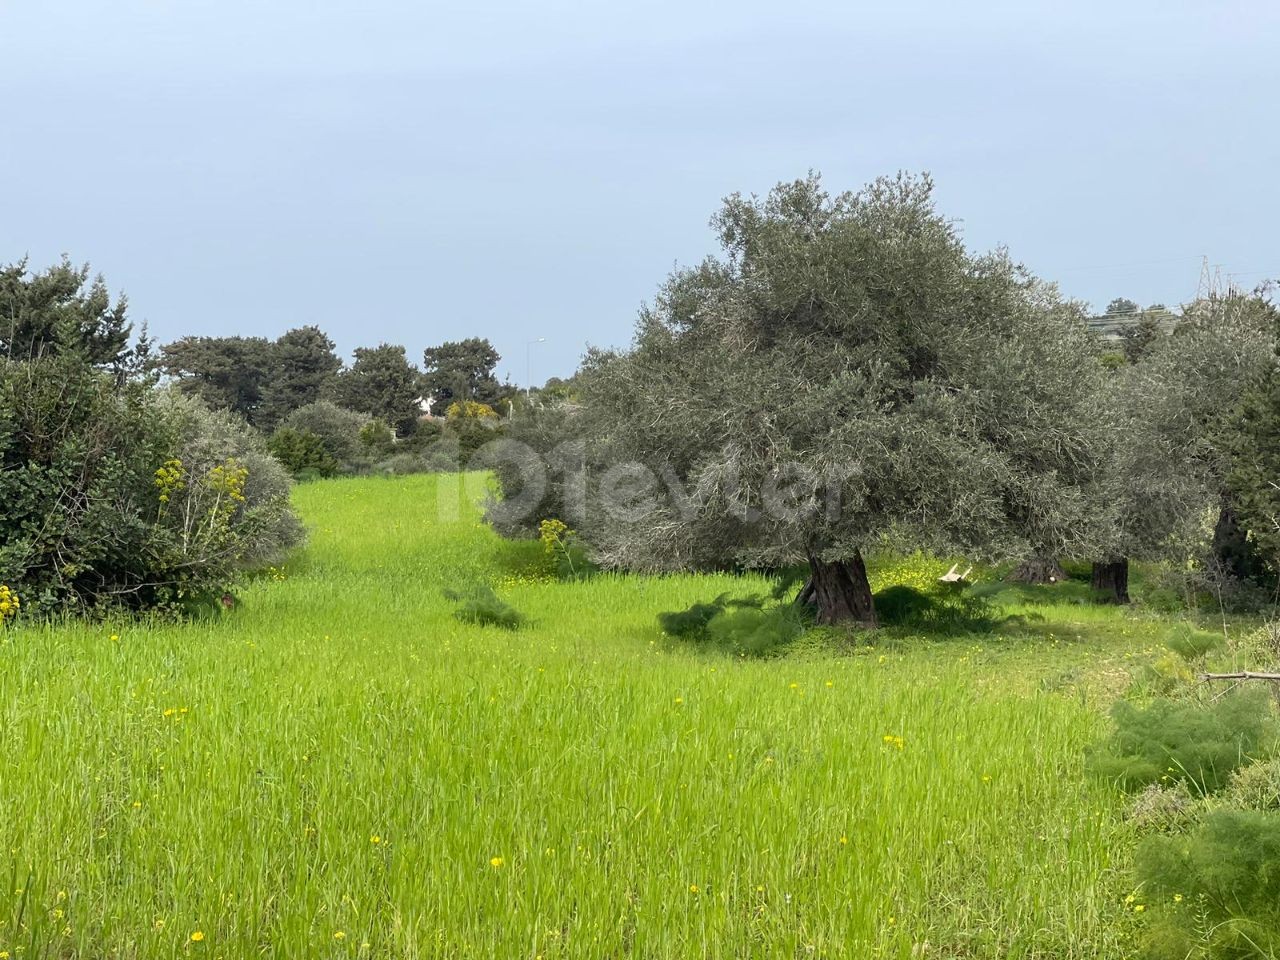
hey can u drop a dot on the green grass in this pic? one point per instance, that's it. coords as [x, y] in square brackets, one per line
[340, 768]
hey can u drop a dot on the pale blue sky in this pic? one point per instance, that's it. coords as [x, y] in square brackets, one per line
[415, 172]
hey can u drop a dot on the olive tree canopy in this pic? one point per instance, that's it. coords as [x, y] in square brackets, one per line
[846, 376]
[1170, 417]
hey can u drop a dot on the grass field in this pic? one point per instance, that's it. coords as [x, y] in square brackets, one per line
[339, 768]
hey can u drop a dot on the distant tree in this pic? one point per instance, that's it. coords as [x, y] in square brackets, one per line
[1121, 306]
[259, 379]
[383, 384]
[847, 377]
[302, 369]
[60, 312]
[461, 370]
[1138, 339]
[558, 390]
[227, 373]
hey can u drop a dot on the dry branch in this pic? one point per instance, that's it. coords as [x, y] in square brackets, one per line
[1242, 675]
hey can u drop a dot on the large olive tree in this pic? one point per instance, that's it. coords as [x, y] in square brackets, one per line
[846, 376]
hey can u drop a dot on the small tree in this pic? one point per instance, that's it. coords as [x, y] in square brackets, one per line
[61, 313]
[1121, 306]
[847, 376]
[461, 370]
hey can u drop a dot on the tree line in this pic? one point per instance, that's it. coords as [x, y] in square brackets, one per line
[265, 381]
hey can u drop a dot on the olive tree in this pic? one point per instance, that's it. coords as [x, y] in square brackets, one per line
[1171, 419]
[846, 376]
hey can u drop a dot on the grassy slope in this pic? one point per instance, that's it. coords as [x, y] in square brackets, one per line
[342, 761]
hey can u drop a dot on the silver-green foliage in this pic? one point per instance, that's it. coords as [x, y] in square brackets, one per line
[850, 347]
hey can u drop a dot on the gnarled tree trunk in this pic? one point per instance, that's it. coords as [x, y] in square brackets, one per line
[1038, 569]
[1110, 580]
[839, 591]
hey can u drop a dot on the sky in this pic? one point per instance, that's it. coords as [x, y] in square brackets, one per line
[415, 172]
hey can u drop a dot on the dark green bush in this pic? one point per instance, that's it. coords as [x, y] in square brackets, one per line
[377, 438]
[1172, 740]
[479, 604]
[302, 453]
[78, 495]
[337, 428]
[116, 494]
[425, 433]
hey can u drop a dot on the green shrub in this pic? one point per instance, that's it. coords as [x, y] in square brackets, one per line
[377, 438]
[425, 433]
[400, 464]
[78, 498]
[337, 427]
[441, 458]
[1214, 892]
[1161, 808]
[263, 529]
[1191, 644]
[479, 604]
[302, 453]
[117, 494]
[1171, 741]
[472, 433]
[1255, 787]
[691, 623]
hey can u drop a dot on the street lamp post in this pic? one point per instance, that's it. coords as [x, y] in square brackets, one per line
[528, 365]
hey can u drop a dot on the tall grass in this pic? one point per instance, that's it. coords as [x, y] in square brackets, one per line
[340, 768]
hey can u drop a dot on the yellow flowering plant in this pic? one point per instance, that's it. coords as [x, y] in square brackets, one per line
[9, 603]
